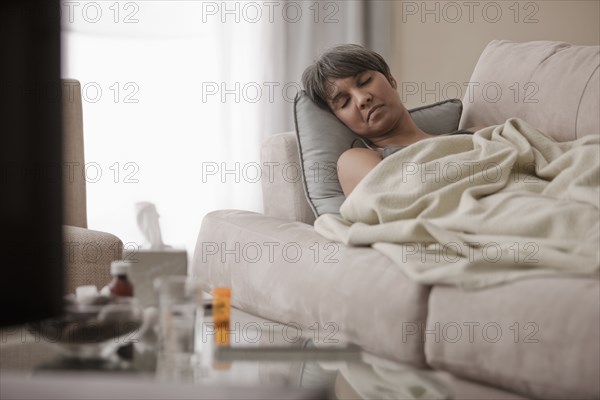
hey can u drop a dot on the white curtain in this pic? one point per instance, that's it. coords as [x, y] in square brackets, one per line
[177, 97]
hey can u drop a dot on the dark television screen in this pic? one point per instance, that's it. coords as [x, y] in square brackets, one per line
[31, 274]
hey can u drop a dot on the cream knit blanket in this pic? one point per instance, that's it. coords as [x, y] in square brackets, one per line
[474, 211]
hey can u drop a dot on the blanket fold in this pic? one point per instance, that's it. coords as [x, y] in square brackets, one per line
[473, 211]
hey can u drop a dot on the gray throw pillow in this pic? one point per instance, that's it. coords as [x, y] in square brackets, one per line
[322, 138]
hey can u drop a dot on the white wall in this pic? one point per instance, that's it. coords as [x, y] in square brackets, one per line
[439, 42]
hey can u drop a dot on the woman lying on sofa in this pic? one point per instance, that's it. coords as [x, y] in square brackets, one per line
[356, 85]
[436, 207]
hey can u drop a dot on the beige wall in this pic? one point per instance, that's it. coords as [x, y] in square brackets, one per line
[433, 59]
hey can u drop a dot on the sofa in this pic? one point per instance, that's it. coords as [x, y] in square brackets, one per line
[535, 338]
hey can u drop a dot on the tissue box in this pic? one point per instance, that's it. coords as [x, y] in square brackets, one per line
[147, 265]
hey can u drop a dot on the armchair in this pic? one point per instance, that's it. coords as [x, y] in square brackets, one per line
[87, 253]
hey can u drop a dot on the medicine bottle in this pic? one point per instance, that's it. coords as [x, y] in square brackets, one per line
[221, 314]
[120, 286]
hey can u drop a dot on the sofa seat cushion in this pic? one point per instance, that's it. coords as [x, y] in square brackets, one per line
[539, 337]
[284, 271]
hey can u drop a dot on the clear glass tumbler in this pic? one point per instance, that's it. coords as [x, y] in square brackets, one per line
[181, 313]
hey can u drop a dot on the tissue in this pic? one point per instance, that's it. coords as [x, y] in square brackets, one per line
[147, 220]
[153, 259]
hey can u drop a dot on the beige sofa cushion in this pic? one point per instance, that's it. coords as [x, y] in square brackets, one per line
[310, 281]
[539, 337]
[554, 86]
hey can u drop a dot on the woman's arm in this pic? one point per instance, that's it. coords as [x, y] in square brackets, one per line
[353, 165]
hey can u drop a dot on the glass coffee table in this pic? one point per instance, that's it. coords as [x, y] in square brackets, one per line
[264, 360]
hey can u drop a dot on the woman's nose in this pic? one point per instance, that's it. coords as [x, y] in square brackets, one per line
[364, 99]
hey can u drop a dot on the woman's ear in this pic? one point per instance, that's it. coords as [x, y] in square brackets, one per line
[393, 82]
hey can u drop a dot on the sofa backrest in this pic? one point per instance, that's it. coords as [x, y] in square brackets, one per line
[554, 86]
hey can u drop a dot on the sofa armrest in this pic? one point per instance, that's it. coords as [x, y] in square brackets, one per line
[87, 256]
[282, 184]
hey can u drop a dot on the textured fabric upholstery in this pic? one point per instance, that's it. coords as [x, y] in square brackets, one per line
[554, 86]
[283, 192]
[284, 271]
[536, 336]
[74, 195]
[88, 255]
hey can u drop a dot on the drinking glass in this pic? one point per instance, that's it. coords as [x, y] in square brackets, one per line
[181, 312]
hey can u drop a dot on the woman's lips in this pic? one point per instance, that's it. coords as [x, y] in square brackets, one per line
[372, 111]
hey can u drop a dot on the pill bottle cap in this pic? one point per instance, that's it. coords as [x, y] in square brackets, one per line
[120, 267]
[222, 292]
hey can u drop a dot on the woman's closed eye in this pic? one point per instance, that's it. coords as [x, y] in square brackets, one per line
[340, 101]
[364, 82]
[345, 99]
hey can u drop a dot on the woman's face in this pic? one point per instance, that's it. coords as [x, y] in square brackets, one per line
[367, 103]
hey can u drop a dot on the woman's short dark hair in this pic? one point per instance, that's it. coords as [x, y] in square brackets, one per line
[341, 61]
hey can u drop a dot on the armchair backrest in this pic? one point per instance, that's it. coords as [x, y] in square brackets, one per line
[74, 192]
